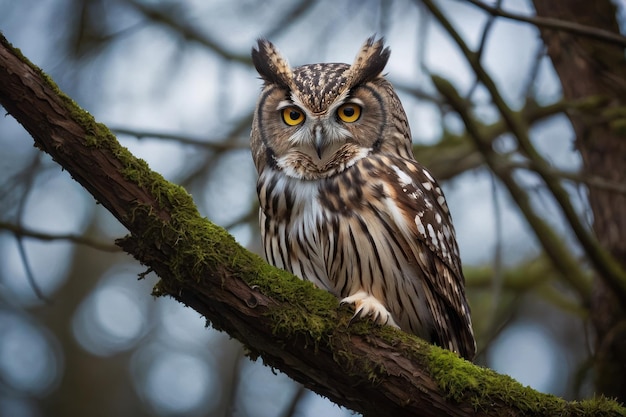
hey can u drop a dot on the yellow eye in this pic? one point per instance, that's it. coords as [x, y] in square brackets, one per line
[349, 112]
[293, 116]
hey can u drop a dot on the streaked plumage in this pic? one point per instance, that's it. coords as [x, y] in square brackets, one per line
[343, 202]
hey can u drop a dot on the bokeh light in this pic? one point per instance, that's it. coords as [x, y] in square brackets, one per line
[525, 343]
[175, 382]
[181, 325]
[111, 319]
[30, 359]
[266, 392]
[55, 205]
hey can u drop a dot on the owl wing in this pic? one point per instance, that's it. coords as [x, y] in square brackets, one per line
[415, 203]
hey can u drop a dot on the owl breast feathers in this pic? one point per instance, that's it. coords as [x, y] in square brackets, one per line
[345, 205]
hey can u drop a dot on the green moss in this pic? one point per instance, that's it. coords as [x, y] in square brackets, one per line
[482, 387]
[311, 312]
[591, 103]
[618, 126]
[357, 366]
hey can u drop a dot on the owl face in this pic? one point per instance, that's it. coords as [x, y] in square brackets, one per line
[315, 121]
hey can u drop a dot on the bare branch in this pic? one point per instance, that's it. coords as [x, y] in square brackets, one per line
[21, 231]
[481, 46]
[555, 24]
[290, 17]
[21, 208]
[455, 154]
[163, 17]
[214, 145]
[574, 176]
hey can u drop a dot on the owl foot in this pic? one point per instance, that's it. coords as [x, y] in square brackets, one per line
[366, 305]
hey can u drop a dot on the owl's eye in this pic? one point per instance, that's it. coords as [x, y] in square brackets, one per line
[292, 116]
[349, 112]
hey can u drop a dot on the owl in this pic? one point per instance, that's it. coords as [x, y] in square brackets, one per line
[343, 202]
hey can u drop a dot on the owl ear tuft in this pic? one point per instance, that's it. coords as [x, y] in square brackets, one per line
[270, 64]
[369, 62]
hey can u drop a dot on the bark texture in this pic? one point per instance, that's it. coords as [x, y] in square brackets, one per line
[589, 68]
[294, 327]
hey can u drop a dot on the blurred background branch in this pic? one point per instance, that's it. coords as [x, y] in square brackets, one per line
[556, 24]
[20, 231]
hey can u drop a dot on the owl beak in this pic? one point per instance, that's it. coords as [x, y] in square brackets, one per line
[319, 149]
[319, 141]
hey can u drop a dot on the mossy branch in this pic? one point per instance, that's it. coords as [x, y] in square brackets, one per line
[293, 326]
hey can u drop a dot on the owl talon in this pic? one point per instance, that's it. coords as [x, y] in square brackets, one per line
[366, 305]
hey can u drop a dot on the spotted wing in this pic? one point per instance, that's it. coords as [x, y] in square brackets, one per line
[415, 203]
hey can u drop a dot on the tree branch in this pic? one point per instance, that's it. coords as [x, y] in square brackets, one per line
[293, 326]
[598, 256]
[555, 24]
[558, 252]
[456, 153]
[166, 16]
[21, 231]
[220, 145]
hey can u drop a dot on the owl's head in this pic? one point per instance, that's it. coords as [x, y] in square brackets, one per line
[315, 121]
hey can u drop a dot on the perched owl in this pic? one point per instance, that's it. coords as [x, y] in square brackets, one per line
[344, 203]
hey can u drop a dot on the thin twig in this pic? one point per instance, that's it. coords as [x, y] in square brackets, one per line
[418, 93]
[574, 177]
[534, 72]
[556, 24]
[292, 406]
[20, 231]
[218, 146]
[481, 47]
[496, 284]
[459, 154]
[290, 17]
[21, 209]
[186, 31]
